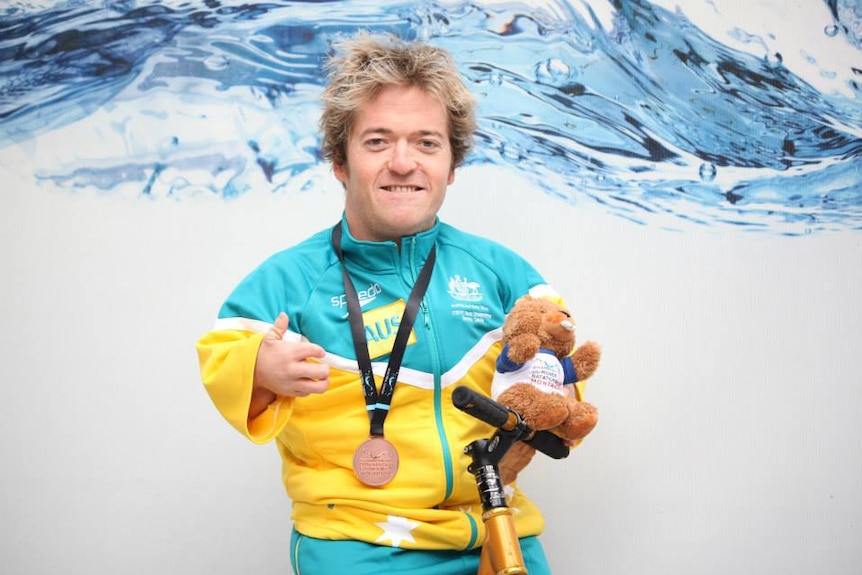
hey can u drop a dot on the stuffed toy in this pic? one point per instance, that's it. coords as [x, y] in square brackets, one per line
[535, 374]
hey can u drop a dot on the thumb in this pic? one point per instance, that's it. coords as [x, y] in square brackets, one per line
[278, 328]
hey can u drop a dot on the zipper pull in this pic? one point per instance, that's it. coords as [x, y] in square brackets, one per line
[425, 314]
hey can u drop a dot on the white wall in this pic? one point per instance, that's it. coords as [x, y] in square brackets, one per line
[729, 390]
[729, 397]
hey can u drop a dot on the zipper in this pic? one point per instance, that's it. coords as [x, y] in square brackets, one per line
[439, 408]
[436, 363]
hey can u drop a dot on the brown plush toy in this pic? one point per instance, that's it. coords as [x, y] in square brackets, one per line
[533, 374]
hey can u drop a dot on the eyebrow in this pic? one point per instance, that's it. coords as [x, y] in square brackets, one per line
[388, 132]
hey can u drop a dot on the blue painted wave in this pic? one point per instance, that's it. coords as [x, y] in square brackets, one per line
[642, 112]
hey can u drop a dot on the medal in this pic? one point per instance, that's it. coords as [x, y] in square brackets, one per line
[375, 462]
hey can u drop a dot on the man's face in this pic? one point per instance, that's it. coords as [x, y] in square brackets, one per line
[398, 164]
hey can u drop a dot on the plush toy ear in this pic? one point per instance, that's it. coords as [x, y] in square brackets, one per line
[520, 321]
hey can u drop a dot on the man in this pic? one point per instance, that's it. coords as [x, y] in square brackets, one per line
[376, 470]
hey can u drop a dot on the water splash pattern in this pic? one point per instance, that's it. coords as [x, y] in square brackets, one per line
[642, 113]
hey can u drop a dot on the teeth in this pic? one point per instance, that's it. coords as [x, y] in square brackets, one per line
[402, 189]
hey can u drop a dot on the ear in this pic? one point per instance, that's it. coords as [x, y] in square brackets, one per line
[340, 171]
[451, 176]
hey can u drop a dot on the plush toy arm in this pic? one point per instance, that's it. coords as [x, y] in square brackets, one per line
[585, 360]
[504, 363]
[524, 346]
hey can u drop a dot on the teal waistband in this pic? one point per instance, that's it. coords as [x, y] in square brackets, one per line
[310, 556]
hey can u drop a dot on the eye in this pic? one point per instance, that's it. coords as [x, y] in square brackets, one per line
[428, 144]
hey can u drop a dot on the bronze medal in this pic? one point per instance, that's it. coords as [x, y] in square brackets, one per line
[375, 462]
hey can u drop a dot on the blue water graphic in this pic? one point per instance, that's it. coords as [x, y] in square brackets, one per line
[642, 113]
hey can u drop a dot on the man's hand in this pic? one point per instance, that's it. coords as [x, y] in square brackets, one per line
[283, 368]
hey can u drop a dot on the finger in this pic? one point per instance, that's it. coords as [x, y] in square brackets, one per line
[304, 387]
[310, 370]
[315, 386]
[278, 328]
[306, 350]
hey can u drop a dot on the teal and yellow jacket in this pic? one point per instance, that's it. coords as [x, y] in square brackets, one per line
[432, 503]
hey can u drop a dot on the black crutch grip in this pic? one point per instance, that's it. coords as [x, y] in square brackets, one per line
[486, 409]
[549, 444]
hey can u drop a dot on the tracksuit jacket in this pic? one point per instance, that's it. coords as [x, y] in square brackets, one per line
[432, 503]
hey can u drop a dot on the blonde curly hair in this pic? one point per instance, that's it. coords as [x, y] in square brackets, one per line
[364, 64]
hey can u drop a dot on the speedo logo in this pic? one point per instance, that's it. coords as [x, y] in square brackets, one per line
[366, 296]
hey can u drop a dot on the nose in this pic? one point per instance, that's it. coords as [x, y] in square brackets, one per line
[401, 161]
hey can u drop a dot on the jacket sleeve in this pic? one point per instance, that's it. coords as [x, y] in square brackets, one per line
[227, 358]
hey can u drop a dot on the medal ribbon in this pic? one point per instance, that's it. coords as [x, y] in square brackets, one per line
[378, 403]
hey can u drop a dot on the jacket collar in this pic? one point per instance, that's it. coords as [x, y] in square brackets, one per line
[381, 256]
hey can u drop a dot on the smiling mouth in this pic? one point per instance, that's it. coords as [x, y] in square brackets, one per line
[402, 189]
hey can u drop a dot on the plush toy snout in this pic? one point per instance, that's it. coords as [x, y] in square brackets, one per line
[560, 327]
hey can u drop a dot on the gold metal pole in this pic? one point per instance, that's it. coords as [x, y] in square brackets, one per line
[501, 554]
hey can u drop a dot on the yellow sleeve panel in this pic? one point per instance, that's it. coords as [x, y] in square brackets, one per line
[580, 390]
[227, 359]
